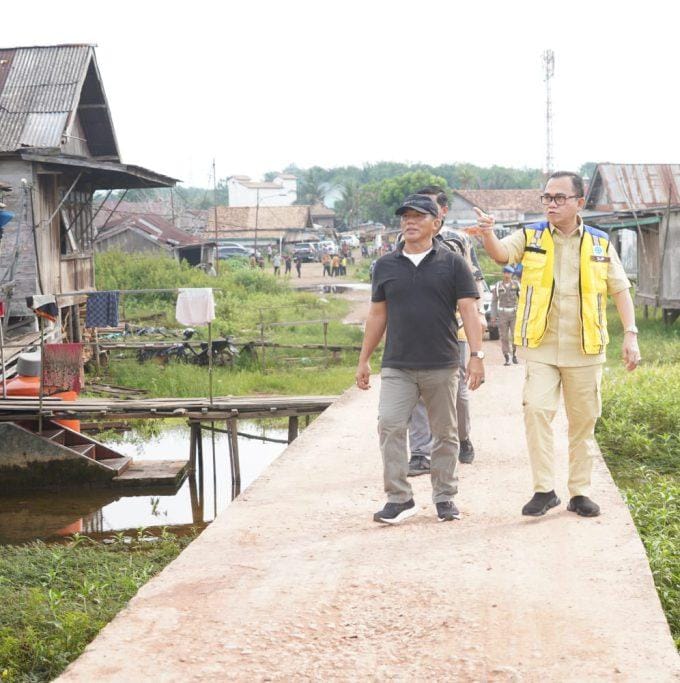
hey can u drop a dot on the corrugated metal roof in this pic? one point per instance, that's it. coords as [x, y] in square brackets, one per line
[39, 89]
[625, 187]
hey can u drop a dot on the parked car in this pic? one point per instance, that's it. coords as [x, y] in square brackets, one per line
[494, 334]
[307, 252]
[328, 247]
[233, 250]
[350, 239]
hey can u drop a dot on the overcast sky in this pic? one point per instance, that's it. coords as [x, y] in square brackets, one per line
[259, 85]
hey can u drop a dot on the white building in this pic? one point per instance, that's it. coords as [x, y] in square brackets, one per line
[282, 191]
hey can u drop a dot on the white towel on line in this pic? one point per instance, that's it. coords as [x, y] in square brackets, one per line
[195, 306]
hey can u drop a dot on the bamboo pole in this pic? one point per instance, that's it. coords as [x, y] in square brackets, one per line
[2, 360]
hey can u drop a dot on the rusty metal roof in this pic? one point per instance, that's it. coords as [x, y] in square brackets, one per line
[636, 187]
[40, 90]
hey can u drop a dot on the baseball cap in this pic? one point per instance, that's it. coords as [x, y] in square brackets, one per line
[419, 202]
[508, 269]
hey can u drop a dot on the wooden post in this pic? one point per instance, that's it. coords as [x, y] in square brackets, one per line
[292, 428]
[234, 460]
[42, 373]
[264, 365]
[210, 364]
[646, 311]
[325, 341]
[96, 351]
[307, 420]
[2, 360]
[192, 448]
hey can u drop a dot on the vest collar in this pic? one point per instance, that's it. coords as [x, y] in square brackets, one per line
[579, 229]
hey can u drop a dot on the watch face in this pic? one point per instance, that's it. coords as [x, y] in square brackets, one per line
[478, 354]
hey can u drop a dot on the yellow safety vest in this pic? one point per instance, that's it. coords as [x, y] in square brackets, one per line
[538, 288]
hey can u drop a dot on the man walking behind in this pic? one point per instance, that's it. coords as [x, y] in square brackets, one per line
[419, 435]
[568, 270]
[504, 297]
[415, 291]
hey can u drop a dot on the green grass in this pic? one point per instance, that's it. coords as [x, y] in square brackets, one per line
[55, 599]
[639, 434]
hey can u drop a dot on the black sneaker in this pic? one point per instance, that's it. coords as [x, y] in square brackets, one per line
[540, 504]
[507, 359]
[582, 505]
[514, 359]
[419, 464]
[447, 511]
[394, 513]
[466, 454]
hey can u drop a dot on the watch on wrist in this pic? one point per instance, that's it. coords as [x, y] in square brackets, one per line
[477, 354]
[631, 328]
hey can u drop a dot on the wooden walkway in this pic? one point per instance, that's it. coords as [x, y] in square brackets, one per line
[221, 408]
[295, 582]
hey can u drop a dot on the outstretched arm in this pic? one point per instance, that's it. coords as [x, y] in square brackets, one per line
[496, 250]
[376, 323]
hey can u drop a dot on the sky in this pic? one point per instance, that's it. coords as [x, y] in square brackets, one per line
[260, 84]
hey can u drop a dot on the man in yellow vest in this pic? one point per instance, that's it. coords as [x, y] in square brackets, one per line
[568, 270]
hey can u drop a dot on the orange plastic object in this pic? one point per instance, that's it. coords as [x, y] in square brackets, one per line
[22, 385]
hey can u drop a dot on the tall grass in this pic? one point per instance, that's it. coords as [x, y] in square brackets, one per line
[639, 434]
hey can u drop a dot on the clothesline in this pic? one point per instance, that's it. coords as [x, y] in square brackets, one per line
[174, 290]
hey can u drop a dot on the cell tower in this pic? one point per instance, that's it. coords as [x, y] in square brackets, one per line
[548, 73]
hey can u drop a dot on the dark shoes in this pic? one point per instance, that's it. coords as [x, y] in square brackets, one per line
[582, 505]
[395, 513]
[447, 511]
[514, 359]
[540, 504]
[419, 464]
[466, 453]
[507, 359]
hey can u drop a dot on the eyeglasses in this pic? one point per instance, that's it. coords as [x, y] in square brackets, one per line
[559, 199]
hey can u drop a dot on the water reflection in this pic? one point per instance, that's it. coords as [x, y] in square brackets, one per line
[200, 498]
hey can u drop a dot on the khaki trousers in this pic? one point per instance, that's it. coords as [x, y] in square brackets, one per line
[399, 393]
[506, 330]
[581, 390]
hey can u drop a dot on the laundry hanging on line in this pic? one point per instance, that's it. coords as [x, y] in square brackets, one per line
[102, 309]
[195, 306]
[44, 306]
[62, 367]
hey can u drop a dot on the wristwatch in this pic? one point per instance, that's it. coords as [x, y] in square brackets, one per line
[631, 328]
[477, 354]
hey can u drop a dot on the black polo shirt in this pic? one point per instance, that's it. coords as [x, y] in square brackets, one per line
[421, 304]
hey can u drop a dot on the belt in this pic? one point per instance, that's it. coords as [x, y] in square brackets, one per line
[505, 310]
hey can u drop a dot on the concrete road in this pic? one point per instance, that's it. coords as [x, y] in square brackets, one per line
[295, 581]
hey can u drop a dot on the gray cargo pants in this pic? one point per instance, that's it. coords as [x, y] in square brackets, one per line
[419, 436]
[399, 393]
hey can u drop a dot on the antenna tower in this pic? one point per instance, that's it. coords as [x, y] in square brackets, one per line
[548, 72]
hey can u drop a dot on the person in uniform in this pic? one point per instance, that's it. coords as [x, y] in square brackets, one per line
[504, 296]
[569, 268]
[420, 437]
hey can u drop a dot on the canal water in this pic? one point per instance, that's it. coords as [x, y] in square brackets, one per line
[50, 515]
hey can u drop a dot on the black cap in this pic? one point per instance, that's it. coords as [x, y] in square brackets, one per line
[419, 202]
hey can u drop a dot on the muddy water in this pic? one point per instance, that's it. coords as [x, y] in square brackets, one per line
[49, 515]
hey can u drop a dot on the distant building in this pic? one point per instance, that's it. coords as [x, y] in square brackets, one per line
[639, 205]
[322, 216]
[275, 225]
[282, 191]
[507, 206]
[148, 233]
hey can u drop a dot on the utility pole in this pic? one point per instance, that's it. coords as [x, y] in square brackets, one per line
[217, 244]
[548, 73]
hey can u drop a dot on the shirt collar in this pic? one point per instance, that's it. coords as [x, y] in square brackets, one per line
[579, 229]
[436, 246]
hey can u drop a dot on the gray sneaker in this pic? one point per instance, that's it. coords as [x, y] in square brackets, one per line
[419, 464]
[447, 511]
[466, 452]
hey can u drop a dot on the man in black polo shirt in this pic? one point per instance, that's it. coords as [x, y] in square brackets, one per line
[415, 292]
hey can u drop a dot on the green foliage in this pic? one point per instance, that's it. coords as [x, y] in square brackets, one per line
[55, 599]
[654, 503]
[639, 434]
